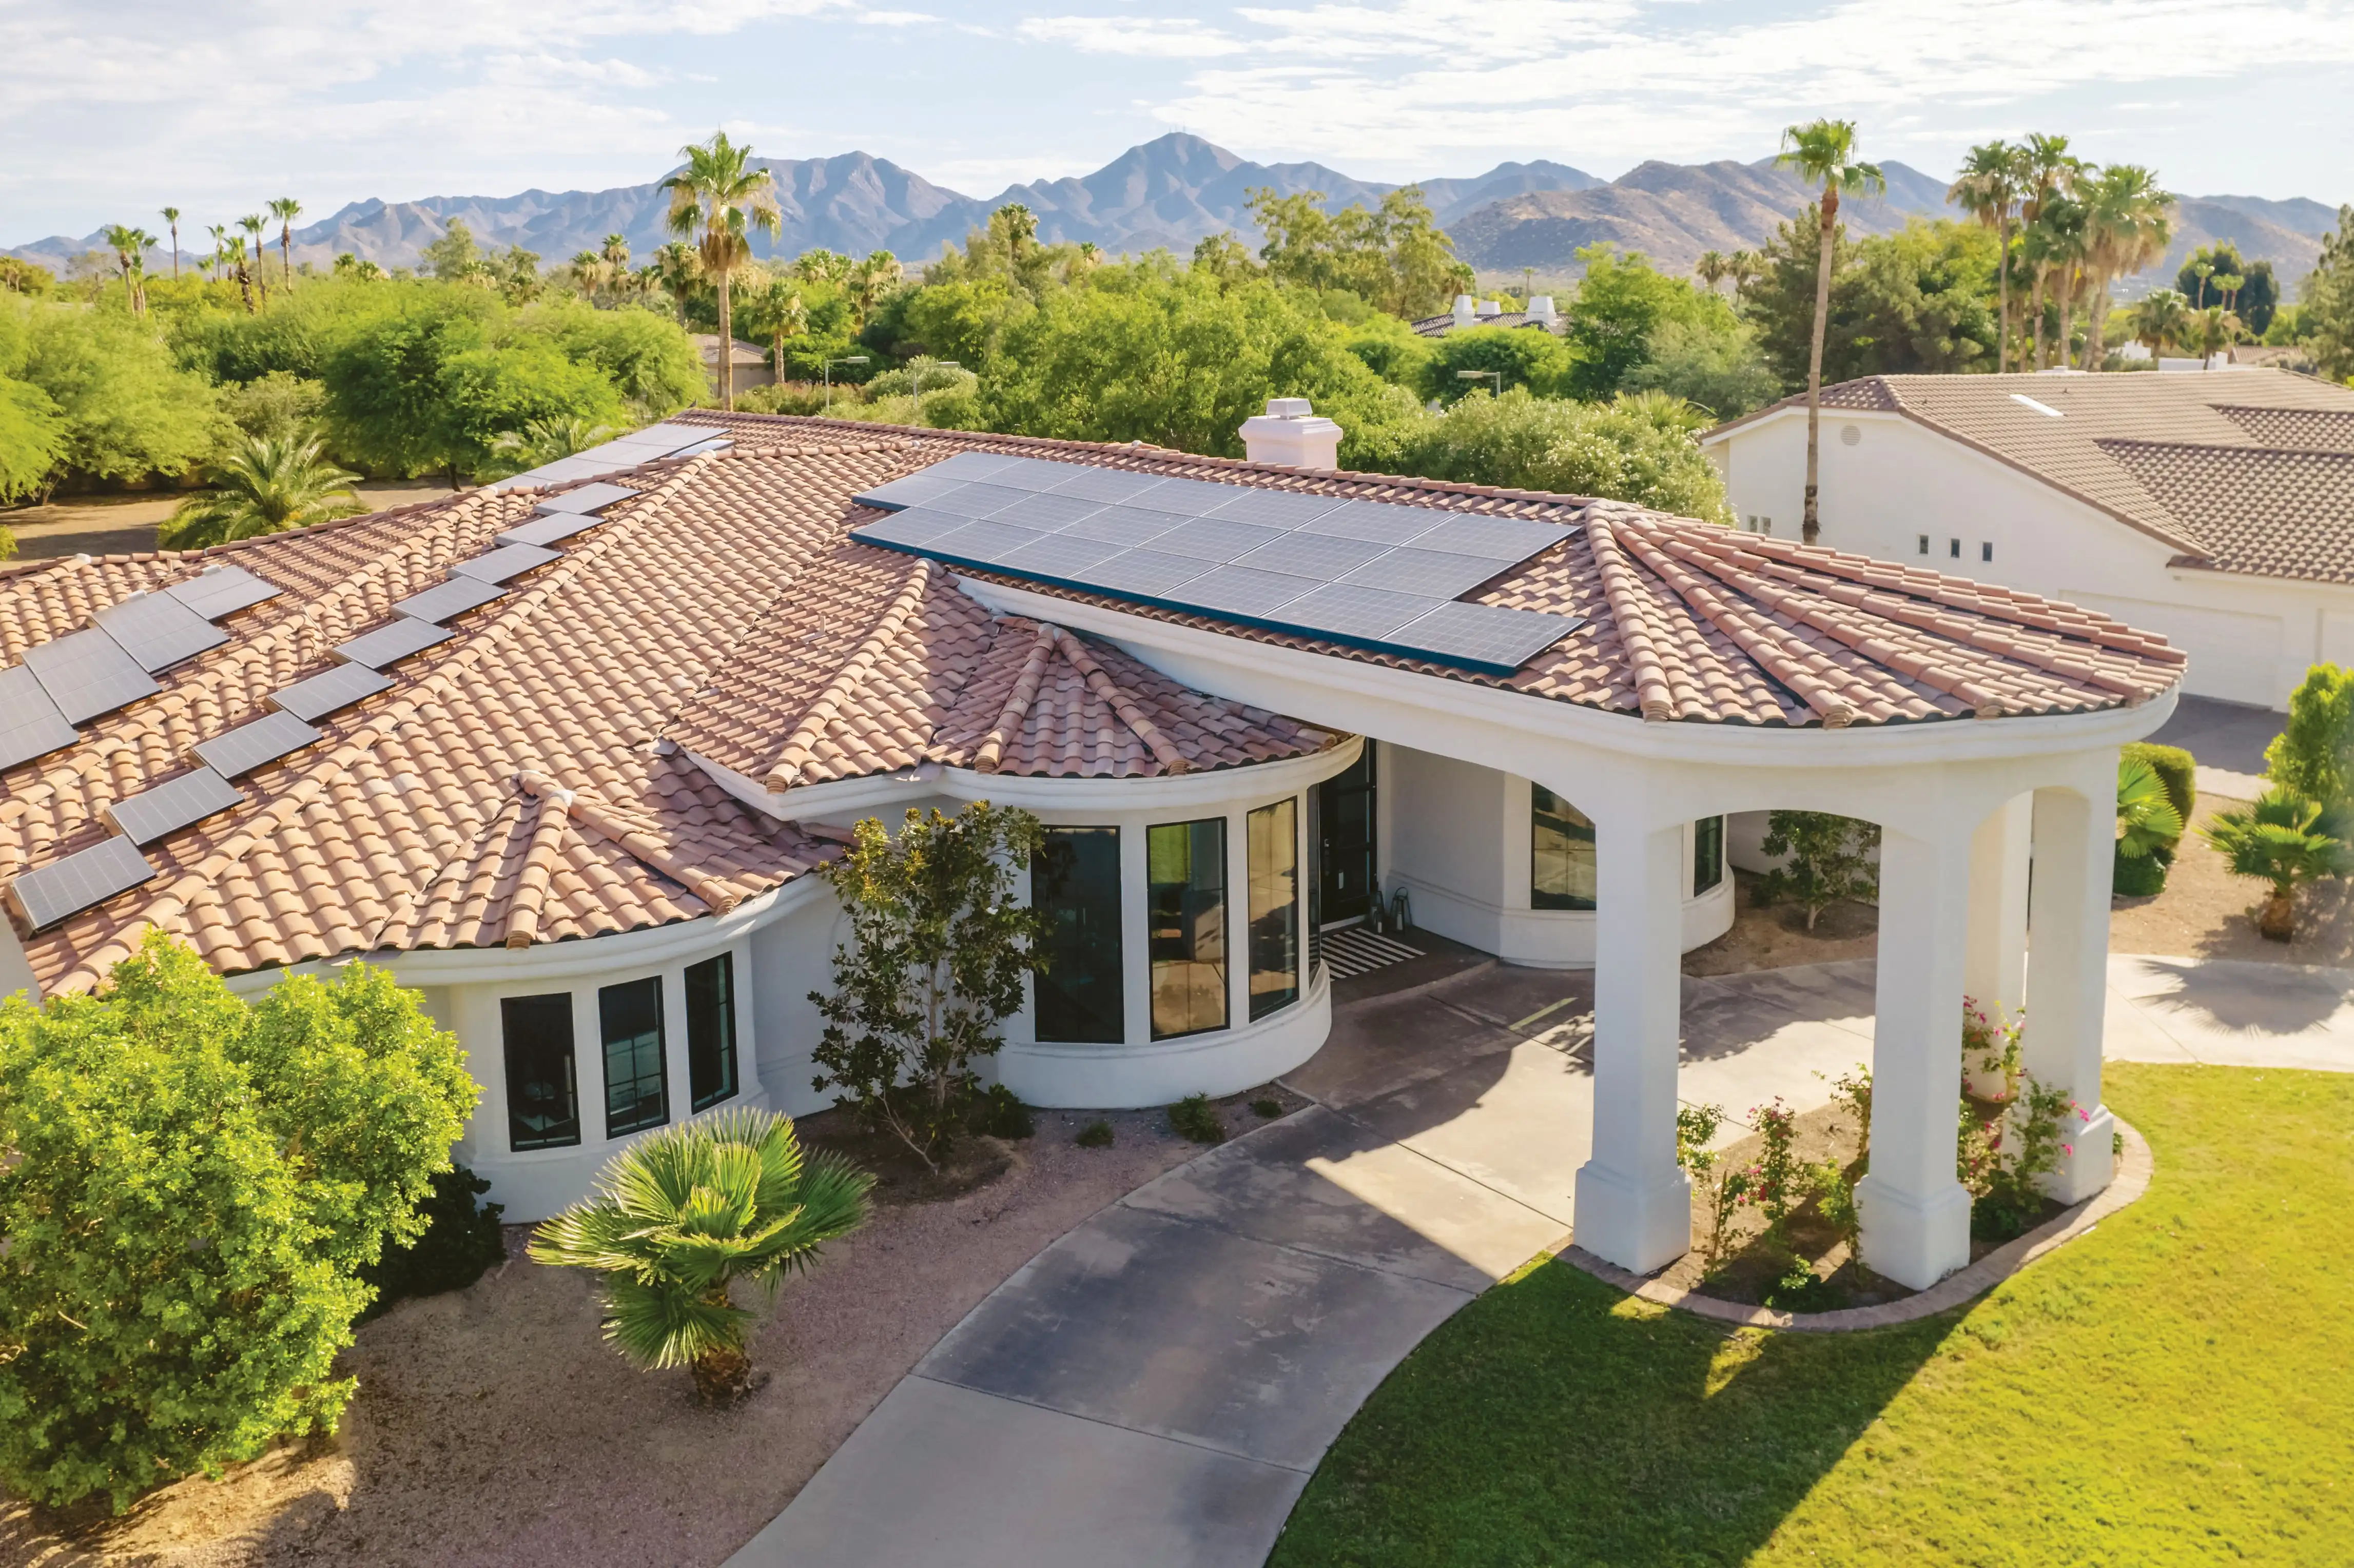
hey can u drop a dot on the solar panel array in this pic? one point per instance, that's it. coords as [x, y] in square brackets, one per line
[159, 631]
[1369, 573]
[396, 639]
[319, 695]
[67, 886]
[251, 746]
[653, 442]
[221, 591]
[507, 561]
[454, 598]
[87, 674]
[30, 721]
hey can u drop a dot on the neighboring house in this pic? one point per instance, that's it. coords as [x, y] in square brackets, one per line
[565, 753]
[748, 365]
[1472, 312]
[2216, 508]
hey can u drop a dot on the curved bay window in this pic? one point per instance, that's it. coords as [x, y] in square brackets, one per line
[1075, 888]
[711, 1030]
[1560, 869]
[631, 1016]
[1185, 872]
[1274, 845]
[1708, 853]
[543, 1098]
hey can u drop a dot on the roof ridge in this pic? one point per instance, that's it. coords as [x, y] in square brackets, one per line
[1017, 702]
[530, 896]
[1099, 681]
[713, 888]
[797, 752]
[1652, 690]
[2236, 448]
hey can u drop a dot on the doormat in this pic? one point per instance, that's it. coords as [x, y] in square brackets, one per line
[1355, 950]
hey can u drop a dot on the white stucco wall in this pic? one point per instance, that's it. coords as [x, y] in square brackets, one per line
[2249, 638]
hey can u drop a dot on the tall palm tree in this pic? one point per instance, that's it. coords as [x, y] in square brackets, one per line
[2128, 227]
[2051, 175]
[1742, 267]
[265, 485]
[286, 209]
[682, 1215]
[131, 247]
[1988, 189]
[721, 194]
[1710, 268]
[587, 270]
[1823, 153]
[2217, 329]
[172, 217]
[254, 224]
[676, 265]
[788, 319]
[869, 282]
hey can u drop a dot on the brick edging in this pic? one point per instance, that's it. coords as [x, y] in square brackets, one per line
[2131, 1181]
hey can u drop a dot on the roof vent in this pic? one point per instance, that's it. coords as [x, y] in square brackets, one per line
[1292, 434]
[2024, 401]
[1465, 309]
[1540, 308]
[1490, 308]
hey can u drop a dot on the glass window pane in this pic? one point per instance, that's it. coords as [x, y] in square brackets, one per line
[711, 1030]
[1560, 874]
[1708, 853]
[543, 1101]
[1186, 912]
[1074, 887]
[1274, 907]
[631, 1018]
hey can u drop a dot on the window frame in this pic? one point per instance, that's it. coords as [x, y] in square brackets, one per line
[1286, 915]
[615, 1128]
[1538, 897]
[1116, 910]
[1220, 965]
[570, 1045]
[726, 1053]
[1708, 853]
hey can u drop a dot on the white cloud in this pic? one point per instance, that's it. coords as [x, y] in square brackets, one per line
[1140, 35]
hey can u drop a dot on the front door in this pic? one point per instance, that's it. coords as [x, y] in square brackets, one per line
[1344, 829]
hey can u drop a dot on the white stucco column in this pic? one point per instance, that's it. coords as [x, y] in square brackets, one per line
[1634, 1203]
[2068, 970]
[1994, 953]
[1915, 1215]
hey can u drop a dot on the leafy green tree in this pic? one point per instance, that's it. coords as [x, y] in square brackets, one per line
[1621, 304]
[1523, 356]
[721, 198]
[2313, 756]
[191, 1185]
[680, 1216]
[937, 953]
[1822, 153]
[32, 431]
[1832, 860]
[277, 404]
[490, 391]
[2283, 840]
[1393, 350]
[1715, 366]
[387, 408]
[1921, 301]
[265, 484]
[454, 258]
[1635, 448]
[964, 319]
[2326, 310]
[1395, 256]
[18, 276]
[2258, 294]
[124, 410]
[646, 359]
[1225, 256]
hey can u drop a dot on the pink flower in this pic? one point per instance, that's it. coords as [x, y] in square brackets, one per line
[2067, 1149]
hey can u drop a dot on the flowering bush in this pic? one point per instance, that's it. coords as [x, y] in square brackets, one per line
[1992, 1044]
[2016, 1150]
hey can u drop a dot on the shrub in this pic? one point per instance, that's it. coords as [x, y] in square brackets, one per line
[1777, 1181]
[2025, 1145]
[1267, 1109]
[795, 397]
[2175, 768]
[2313, 756]
[2137, 879]
[1695, 1126]
[460, 1239]
[2285, 839]
[1829, 861]
[1993, 1044]
[1096, 1134]
[192, 1186]
[1194, 1119]
[998, 1112]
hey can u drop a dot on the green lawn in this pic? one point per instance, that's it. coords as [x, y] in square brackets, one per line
[2177, 1386]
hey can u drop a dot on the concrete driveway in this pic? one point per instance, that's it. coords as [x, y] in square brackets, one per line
[1156, 1387]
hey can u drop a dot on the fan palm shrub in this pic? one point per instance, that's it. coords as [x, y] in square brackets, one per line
[2285, 839]
[545, 440]
[266, 484]
[681, 1217]
[2148, 825]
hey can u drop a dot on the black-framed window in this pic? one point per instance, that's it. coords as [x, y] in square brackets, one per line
[1560, 852]
[1708, 853]
[543, 1094]
[629, 1017]
[711, 1030]
[1074, 887]
[1273, 852]
[1186, 912]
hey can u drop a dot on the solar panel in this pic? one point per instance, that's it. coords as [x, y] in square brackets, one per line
[977, 500]
[550, 528]
[30, 723]
[974, 465]
[158, 631]
[167, 807]
[1029, 473]
[319, 696]
[1239, 590]
[1277, 508]
[250, 746]
[1414, 570]
[444, 601]
[1122, 525]
[1377, 520]
[507, 561]
[1485, 635]
[221, 591]
[1049, 511]
[912, 490]
[587, 498]
[1324, 556]
[392, 643]
[1107, 484]
[1507, 539]
[983, 543]
[1186, 497]
[673, 435]
[717, 444]
[87, 674]
[41, 898]
[1214, 540]
[1057, 555]
[1142, 572]
[625, 453]
[1360, 614]
[913, 528]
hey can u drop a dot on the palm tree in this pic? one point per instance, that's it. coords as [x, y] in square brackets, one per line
[286, 209]
[2051, 172]
[682, 1215]
[2147, 822]
[1742, 267]
[2128, 229]
[869, 282]
[2229, 285]
[587, 270]
[2202, 270]
[131, 247]
[2283, 839]
[1823, 153]
[788, 319]
[2218, 330]
[253, 224]
[1988, 189]
[1712, 269]
[720, 193]
[2160, 319]
[678, 268]
[544, 441]
[172, 217]
[266, 485]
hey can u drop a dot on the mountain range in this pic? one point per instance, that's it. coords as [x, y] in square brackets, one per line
[1177, 188]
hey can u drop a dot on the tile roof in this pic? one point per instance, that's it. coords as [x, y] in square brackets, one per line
[536, 778]
[1439, 326]
[2248, 513]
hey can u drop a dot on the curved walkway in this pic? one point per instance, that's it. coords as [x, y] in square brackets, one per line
[1156, 1387]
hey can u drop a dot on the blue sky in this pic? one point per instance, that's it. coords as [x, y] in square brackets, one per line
[111, 108]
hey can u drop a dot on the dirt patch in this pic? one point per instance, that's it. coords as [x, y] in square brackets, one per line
[493, 1426]
[2204, 911]
[1773, 937]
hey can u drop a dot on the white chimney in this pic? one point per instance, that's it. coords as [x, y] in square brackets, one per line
[1293, 435]
[1490, 308]
[1540, 308]
[1464, 310]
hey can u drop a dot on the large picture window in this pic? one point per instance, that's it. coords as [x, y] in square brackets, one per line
[543, 1098]
[1186, 874]
[1074, 887]
[1708, 853]
[711, 1030]
[1274, 863]
[1560, 870]
[632, 1022]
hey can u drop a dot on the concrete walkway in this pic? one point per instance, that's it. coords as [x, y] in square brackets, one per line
[1156, 1387]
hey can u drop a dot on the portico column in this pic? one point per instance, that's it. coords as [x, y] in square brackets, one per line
[1634, 1203]
[1994, 953]
[1915, 1216]
[2068, 973]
